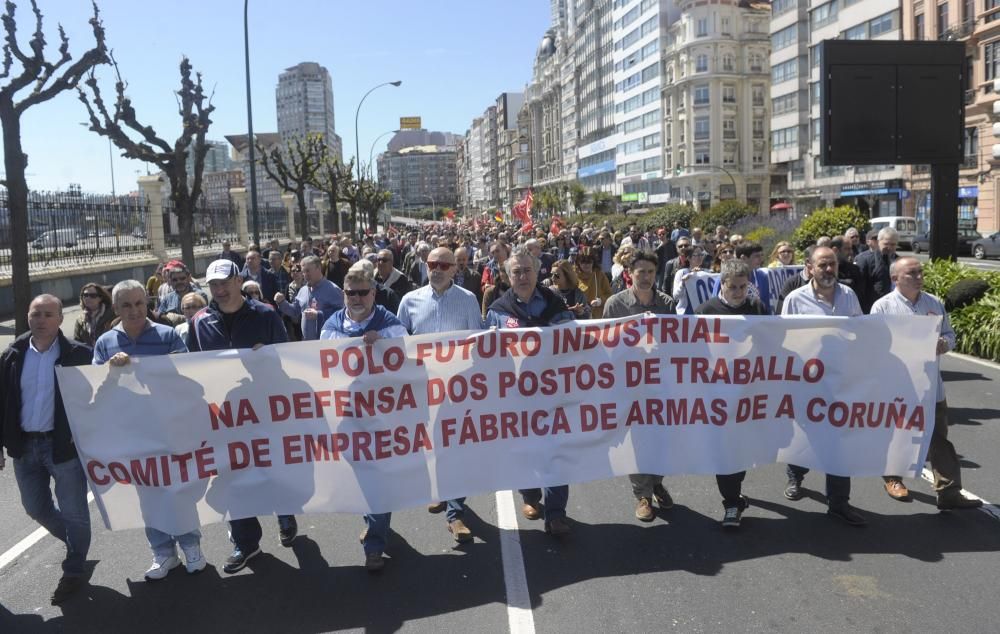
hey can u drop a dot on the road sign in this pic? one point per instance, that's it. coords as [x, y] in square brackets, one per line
[409, 123]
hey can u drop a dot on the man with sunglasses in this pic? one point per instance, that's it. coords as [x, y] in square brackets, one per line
[665, 281]
[361, 317]
[388, 275]
[442, 306]
[180, 280]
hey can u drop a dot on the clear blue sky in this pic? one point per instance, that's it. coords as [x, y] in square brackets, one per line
[454, 57]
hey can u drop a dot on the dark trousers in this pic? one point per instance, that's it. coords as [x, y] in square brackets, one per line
[731, 488]
[246, 532]
[555, 499]
[838, 488]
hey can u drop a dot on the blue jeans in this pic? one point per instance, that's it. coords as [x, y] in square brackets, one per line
[556, 499]
[246, 532]
[376, 534]
[70, 523]
[455, 510]
[838, 488]
[165, 545]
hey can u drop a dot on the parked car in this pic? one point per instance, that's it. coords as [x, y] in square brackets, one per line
[988, 247]
[965, 239]
[56, 238]
[904, 226]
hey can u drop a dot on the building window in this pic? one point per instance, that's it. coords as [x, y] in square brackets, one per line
[729, 157]
[971, 143]
[991, 60]
[992, 4]
[756, 62]
[782, 6]
[758, 95]
[785, 103]
[784, 38]
[758, 128]
[701, 63]
[727, 63]
[702, 156]
[785, 71]
[725, 28]
[728, 93]
[729, 128]
[859, 32]
[918, 26]
[785, 137]
[942, 20]
[701, 27]
[814, 94]
[758, 158]
[702, 129]
[701, 95]
[815, 55]
[882, 24]
[823, 15]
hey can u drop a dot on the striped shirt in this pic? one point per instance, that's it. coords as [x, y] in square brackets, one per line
[896, 304]
[155, 339]
[425, 310]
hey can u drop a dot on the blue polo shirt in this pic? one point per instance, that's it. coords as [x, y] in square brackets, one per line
[155, 339]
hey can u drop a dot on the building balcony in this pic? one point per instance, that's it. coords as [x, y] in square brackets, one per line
[971, 161]
[958, 32]
[970, 97]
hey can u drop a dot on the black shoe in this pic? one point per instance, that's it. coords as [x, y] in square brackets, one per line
[68, 586]
[288, 533]
[957, 501]
[794, 489]
[238, 560]
[847, 513]
[731, 519]
[662, 497]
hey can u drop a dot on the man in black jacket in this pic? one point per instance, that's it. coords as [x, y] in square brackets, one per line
[874, 268]
[36, 433]
[666, 276]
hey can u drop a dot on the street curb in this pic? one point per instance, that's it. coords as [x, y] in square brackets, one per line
[972, 359]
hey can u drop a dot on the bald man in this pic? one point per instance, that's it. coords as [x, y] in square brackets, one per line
[36, 433]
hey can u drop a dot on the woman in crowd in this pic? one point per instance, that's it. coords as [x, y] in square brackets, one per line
[190, 305]
[566, 283]
[251, 290]
[563, 246]
[97, 315]
[593, 282]
[293, 327]
[782, 255]
[155, 281]
[723, 253]
[684, 304]
[621, 279]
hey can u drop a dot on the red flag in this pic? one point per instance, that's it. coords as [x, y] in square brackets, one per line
[450, 214]
[528, 200]
[556, 225]
[528, 227]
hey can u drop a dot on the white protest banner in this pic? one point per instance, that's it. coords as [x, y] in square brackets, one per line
[184, 440]
[776, 278]
[699, 286]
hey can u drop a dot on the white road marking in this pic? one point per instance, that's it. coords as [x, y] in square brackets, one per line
[29, 541]
[977, 360]
[515, 580]
[988, 507]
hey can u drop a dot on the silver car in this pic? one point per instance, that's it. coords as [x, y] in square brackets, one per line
[988, 247]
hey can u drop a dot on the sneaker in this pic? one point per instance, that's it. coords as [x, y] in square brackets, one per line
[194, 561]
[68, 586]
[897, 490]
[662, 497]
[162, 565]
[287, 534]
[847, 513]
[437, 507]
[957, 501]
[644, 510]
[733, 514]
[460, 531]
[238, 561]
[374, 562]
[793, 491]
[557, 527]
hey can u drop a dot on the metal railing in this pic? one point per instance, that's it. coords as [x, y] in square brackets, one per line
[67, 229]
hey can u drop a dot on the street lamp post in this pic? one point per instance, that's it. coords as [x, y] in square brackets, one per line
[357, 141]
[250, 143]
[371, 152]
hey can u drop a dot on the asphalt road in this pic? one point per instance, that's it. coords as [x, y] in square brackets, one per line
[788, 569]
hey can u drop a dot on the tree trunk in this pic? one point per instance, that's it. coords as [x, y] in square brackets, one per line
[185, 224]
[300, 198]
[17, 201]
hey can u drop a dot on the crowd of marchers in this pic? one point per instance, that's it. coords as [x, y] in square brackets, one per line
[434, 279]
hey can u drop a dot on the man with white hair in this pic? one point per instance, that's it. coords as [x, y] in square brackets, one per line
[874, 267]
[525, 305]
[909, 298]
[418, 268]
[388, 275]
[36, 433]
[137, 336]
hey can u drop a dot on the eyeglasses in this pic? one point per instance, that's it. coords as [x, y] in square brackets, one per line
[439, 266]
[361, 292]
[91, 295]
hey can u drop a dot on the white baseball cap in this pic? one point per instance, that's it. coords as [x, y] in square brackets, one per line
[221, 270]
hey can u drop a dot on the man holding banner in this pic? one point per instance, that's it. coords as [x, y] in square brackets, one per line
[231, 321]
[824, 296]
[640, 299]
[528, 305]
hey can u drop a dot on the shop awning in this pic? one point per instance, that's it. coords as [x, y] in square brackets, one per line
[781, 207]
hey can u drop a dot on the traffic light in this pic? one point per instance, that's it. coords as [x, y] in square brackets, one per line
[996, 120]
[678, 169]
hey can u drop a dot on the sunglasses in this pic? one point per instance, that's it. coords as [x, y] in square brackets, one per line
[358, 292]
[91, 295]
[439, 266]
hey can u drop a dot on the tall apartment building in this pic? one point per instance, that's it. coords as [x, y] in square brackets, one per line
[508, 104]
[977, 24]
[268, 192]
[543, 98]
[473, 175]
[798, 28]
[715, 111]
[304, 101]
[638, 33]
[595, 126]
[420, 176]
[216, 158]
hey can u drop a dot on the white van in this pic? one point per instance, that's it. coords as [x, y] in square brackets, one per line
[906, 228]
[56, 238]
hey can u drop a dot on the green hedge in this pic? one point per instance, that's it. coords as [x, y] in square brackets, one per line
[977, 326]
[831, 221]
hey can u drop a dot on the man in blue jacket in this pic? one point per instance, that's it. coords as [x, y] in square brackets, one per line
[231, 321]
[36, 433]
